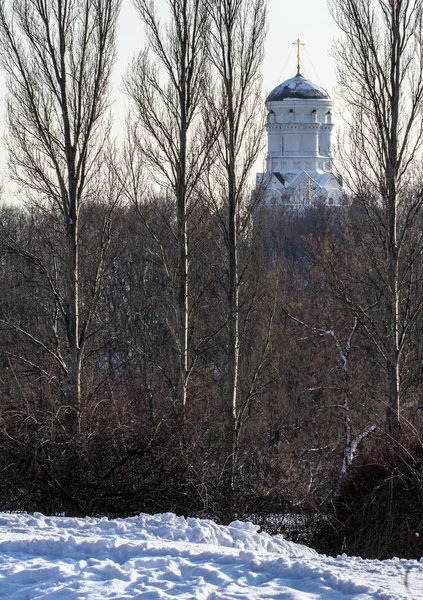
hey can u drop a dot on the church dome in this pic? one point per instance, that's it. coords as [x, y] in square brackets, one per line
[297, 87]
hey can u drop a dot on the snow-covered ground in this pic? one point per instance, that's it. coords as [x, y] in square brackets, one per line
[164, 556]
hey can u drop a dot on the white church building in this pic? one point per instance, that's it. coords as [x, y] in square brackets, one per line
[299, 127]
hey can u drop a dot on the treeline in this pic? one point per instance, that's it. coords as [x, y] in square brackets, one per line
[312, 389]
[169, 341]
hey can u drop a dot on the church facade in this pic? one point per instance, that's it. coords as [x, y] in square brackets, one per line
[299, 168]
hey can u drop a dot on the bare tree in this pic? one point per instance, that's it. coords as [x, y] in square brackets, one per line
[167, 83]
[58, 58]
[380, 70]
[236, 51]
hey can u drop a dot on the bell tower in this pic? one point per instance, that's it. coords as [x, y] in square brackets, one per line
[299, 130]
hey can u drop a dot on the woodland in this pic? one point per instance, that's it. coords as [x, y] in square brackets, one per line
[168, 340]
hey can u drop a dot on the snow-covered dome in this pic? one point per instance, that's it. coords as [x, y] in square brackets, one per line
[297, 87]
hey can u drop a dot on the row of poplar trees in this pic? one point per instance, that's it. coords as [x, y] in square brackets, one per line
[193, 135]
[180, 184]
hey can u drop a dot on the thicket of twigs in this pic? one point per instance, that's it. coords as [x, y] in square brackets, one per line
[311, 459]
[378, 511]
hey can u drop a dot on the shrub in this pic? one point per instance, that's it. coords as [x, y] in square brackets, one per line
[379, 510]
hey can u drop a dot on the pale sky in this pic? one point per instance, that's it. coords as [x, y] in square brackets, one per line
[308, 20]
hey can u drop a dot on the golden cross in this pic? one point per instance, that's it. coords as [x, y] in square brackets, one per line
[298, 44]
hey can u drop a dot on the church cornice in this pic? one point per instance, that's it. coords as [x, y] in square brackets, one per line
[288, 126]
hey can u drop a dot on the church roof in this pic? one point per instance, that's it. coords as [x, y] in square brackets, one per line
[279, 178]
[297, 87]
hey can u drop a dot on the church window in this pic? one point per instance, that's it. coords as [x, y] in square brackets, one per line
[282, 145]
[271, 117]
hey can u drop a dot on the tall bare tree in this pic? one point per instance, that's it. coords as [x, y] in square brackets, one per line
[380, 70]
[58, 58]
[167, 83]
[236, 51]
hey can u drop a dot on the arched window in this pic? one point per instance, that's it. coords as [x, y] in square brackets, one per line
[271, 117]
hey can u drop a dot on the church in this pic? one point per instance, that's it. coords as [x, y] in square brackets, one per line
[299, 169]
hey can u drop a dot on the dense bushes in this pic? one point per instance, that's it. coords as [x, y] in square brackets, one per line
[309, 386]
[378, 512]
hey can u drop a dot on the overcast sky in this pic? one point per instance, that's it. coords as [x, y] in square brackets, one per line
[308, 20]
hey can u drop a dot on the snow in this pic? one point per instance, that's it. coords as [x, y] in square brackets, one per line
[165, 556]
[297, 87]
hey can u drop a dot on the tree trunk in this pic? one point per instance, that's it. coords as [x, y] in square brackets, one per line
[72, 318]
[58, 57]
[231, 411]
[237, 50]
[182, 237]
[175, 149]
[378, 58]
